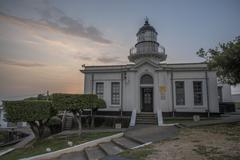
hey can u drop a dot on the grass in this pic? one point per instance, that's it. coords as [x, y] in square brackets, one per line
[138, 154]
[231, 130]
[237, 104]
[183, 120]
[213, 153]
[55, 143]
[3, 136]
[206, 150]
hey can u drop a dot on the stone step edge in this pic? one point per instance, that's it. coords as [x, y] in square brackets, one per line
[103, 149]
[120, 145]
[88, 154]
[134, 139]
[76, 148]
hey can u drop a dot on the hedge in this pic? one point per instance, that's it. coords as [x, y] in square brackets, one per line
[29, 110]
[63, 101]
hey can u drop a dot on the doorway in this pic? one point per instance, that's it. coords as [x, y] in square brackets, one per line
[147, 99]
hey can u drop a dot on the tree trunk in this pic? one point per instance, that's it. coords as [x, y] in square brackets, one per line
[63, 119]
[38, 129]
[79, 121]
[94, 110]
[34, 129]
[92, 119]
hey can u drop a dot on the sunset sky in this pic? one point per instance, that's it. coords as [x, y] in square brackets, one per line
[43, 43]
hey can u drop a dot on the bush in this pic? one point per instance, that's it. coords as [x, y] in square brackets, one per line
[226, 107]
[25, 111]
[72, 102]
[55, 125]
[76, 103]
[35, 112]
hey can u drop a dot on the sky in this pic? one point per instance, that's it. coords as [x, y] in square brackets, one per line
[44, 43]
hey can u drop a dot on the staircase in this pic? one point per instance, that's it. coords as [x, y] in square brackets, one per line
[146, 118]
[103, 150]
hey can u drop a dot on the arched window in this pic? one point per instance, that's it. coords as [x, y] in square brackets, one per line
[146, 79]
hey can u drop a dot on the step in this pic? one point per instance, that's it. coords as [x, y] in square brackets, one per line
[110, 148]
[146, 117]
[150, 115]
[73, 156]
[125, 143]
[94, 153]
[145, 121]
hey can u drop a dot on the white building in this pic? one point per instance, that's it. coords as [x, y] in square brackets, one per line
[224, 92]
[3, 123]
[149, 85]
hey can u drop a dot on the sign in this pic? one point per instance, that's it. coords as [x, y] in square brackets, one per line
[163, 89]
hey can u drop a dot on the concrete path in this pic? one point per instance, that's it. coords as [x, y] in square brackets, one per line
[23, 142]
[226, 118]
[152, 133]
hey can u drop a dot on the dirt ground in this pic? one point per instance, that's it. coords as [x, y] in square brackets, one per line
[220, 142]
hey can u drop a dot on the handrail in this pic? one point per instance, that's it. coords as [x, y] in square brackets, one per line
[159, 117]
[133, 51]
[133, 118]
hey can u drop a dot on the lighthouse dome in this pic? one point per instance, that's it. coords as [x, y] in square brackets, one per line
[147, 46]
[146, 27]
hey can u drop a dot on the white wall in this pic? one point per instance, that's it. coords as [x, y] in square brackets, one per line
[3, 124]
[226, 92]
[131, 89]
[236, 97]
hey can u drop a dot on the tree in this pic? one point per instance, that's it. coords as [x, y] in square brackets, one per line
[225, 59]
[76, 103]
[94, 103]
[36, 113]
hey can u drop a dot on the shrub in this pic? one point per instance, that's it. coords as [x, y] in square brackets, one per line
[36, 112]
[76, 103]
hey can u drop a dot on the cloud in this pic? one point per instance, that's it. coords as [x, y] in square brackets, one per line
[82, 57]
[20, 63]
[104, 59]
[52, 18]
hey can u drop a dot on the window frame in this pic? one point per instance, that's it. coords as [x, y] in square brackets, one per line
[100, 94]
[177, 94]
[198, 93]
[116, 94]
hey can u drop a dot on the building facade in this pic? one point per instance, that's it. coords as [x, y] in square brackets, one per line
[149, 85]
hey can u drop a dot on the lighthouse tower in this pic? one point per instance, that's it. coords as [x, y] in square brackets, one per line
[147, 46]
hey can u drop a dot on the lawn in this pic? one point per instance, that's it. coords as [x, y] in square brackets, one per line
[237, 104]
[138, 154]
[217, 142]
[55, 143]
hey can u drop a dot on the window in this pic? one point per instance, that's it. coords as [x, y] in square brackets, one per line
[197, 91]
[146, 79]
[180, 94]
[115, 99]
[99, 89]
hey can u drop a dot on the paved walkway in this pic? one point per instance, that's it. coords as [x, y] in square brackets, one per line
[226, 118]
[152, 133]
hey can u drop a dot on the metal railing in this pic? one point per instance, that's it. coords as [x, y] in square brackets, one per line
[133, 51]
